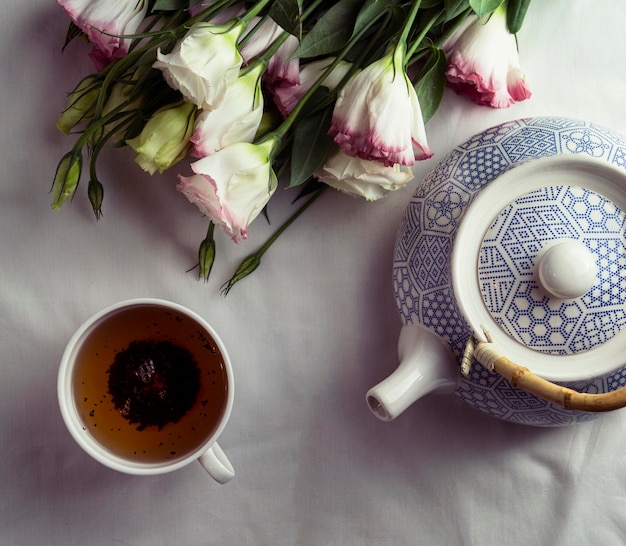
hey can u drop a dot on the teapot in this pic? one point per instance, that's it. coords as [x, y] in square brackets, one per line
[509, 276]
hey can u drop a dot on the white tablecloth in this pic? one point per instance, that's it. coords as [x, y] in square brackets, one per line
[308, 334]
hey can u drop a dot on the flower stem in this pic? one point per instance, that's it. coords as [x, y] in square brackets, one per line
[418, 41]
[253, 261]
[282, 129]
[254, 11]
[409, 22]
[289, 221]
[457, 22]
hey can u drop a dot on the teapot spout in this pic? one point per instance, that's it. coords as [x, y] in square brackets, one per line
[426, 365]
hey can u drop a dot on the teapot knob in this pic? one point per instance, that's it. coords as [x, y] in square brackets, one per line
[567, 270]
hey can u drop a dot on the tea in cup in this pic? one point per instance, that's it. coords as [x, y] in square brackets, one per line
[146, 387]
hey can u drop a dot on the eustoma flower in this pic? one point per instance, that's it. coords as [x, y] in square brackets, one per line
[104, 22]
[233, 185]
[287, 95]
[362, 178]
[283, 66]
[203, 64]
[377, 115]
[165, 138]
[190, 79]
[259, 37]
[235, 120]
[483, 61]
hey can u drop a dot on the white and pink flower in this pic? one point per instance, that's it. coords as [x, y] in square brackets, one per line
[286, 95]
[203, 64]
[259, 36]
[360, 177]
[232, 186]
[377, 115]
[483, 61]
[283, 66]
[237, 119]
[104, 22]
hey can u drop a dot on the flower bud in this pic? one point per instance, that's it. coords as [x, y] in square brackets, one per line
[165, 138]
[66, 178]
[95, 191]
[206, 254]
[248, 266]
[80, 104]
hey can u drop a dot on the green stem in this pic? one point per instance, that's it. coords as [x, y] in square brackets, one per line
[254, 11]
[208, 11]
[288, 222]
[418, 41]
[282, 129]
[457, 22]
[253, 261]
[273, 48]
[409, 22]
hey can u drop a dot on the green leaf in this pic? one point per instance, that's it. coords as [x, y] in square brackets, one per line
[332, 32]
[371, 10]
[311, 144]
[427, 4]
[454, 8]
[72, 32]
[515, 13]
[432, 83]
[485, 7]
[170, 5]
[286, 14]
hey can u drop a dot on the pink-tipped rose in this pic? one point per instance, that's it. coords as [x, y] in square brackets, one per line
[483, 61]
[377, 115]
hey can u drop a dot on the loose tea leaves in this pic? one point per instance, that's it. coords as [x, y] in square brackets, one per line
[153, 383]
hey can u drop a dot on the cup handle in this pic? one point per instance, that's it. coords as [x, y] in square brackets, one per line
[215, 462]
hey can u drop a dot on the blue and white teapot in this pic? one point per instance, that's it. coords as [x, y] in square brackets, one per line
[510, 276]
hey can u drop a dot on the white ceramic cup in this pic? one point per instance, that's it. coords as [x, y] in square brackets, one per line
[83, 396]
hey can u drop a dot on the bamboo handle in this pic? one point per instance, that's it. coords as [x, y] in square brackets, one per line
[520, 377]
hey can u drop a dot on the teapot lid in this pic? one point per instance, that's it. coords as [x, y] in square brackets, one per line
[539, 260]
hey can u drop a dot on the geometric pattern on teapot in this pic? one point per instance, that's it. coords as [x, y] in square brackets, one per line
[421, 282]
[493, 394]
[507, 269]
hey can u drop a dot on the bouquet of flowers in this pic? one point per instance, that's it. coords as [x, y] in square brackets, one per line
[239, 96]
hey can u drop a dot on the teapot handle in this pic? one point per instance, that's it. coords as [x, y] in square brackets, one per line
[521, 377]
